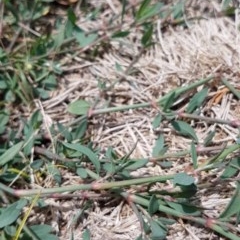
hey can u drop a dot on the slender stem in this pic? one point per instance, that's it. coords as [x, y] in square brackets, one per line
[206, 119]
[212, 161]
[210, 223]
[160, 101]
[120, 108]
[92, 186]
[184, 89]
[227, 151]
[186, 152]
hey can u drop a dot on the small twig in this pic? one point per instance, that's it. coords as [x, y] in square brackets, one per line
[29, 29]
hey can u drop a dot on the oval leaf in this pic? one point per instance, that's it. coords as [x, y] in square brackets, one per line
[184, 208]
[153, 206]
[159, 145]
[84, 39]
[197, 100]
[43, 231]
[79, 107]
[232, 169]
[185, 129]
[86, 235]
[158, 232]
[86, 151]
[10, 214]
[82, 173]
[137, 164]
[183, 179]
[10, 153]
[156, 121]
[233, 208]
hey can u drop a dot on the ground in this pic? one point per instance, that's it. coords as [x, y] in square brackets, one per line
[125, 73]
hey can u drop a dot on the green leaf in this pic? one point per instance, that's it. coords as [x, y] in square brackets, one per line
[146, 226]
[156, 121]
[54, 171]
[110, 168]
[165, 164]
[43, 232]
[79, 107]
[10, 96]
[10, 214]
[233, 207]
[64, 132]
[84, 39]
[167, 221]
[9, 154]
[3, 85]
[184, 208]
[232, 169]
[30, 139]
[86, 235]
[147, 36]
[42, 93]
[9, 230]
[57, 68]
[184, 129]
[226, 4]
[82, 173]
[36, 119]
[142, 8]
[183, 179]
[197, 100]
[111, 154]
[124, 4]
[146, 11]
[80, 130]
[50, 82]
[209, 138]
[59, 38]
[120, 34]
[69, 29]
[194, 155]
[86, 151]
[92, 174]
[169, 101]
[4, 118]
[153, 205]
[134, 165]
[71, 16]
[178, 10]
[118, 67]
[159, 145]
[37, 164]
[158, 232]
